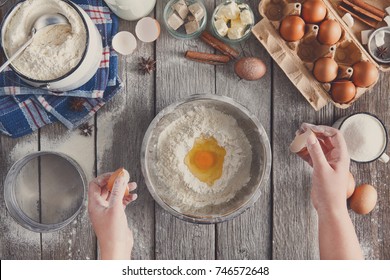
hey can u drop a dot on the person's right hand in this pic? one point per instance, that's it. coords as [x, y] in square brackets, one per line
[328, 155]
[106, 212]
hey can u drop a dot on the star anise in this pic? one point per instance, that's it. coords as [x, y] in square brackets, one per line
[381, 52]
[77, 104]
[146, 65]
[86, 129]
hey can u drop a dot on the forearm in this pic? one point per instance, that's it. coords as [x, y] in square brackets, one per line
[337, 236]
[115, 251]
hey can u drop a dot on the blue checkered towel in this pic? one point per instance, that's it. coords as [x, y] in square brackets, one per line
[24, 109]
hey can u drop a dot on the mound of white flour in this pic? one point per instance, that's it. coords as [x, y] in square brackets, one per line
[55, 50]
[183, 189]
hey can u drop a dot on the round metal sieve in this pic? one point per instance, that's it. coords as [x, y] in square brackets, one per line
[45, 191]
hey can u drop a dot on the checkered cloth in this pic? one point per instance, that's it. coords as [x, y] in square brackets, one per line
[24, 109]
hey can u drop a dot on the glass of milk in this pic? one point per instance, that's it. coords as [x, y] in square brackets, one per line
[366, 137]
[131, 9]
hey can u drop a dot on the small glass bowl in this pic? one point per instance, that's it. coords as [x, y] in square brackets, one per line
[225, 38]
[180, 33]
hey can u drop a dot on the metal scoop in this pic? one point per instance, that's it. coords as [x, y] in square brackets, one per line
[41, 22]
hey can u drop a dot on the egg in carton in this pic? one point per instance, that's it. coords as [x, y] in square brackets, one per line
[363, 28]
[318, 54]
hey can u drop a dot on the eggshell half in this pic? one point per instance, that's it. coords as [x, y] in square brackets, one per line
[124, 43]
[147, 29]
[300, 141]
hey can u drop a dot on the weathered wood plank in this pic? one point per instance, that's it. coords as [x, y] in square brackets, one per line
[295, 233]
[16, 242]
[120, 129]
[177, 78]
[248, 236]
[372, 229]
[76, 240]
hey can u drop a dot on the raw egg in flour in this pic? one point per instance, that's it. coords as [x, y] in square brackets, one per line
[205, 159]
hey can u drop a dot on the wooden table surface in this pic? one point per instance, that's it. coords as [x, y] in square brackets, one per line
[281, 225]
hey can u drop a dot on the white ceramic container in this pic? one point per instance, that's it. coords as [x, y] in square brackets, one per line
[382, 156]
[87, 66]
[131, 9]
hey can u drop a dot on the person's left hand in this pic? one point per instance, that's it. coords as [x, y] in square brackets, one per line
[106, 212]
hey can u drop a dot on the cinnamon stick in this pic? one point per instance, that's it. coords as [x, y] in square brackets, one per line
[209, 58]
[372, 9]
[219, 45]
[369, 21]
[362, 11]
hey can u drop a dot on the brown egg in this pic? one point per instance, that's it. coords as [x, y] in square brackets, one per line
[292, 28]
[313, 11]
[250, 68]
[119, 172]
[364, 74]
[364, 199]
[343, 91]
[329, 33]
[325, 69]
[351, 185]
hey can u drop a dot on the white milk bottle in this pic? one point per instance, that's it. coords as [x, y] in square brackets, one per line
[131, 9]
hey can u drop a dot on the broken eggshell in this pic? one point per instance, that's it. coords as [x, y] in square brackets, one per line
[124, 43]
[147, 29]
[299, 143]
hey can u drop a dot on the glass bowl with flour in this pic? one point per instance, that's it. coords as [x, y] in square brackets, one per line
[60, 58]
[206, 159]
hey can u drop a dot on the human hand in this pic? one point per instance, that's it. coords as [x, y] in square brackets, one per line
[327, 153]
[106, 212]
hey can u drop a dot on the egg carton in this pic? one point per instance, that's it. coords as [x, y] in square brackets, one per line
[356, 30]
[297, 59]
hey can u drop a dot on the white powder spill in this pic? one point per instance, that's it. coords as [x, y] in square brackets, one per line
[26, 240]
[106, 121]
[76, 146]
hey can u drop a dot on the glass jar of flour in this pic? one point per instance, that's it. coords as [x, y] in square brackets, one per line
[131, 9]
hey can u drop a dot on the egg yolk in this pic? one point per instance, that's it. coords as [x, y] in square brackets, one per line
[205, 159]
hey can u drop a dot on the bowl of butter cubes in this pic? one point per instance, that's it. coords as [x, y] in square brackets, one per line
[185, 19]
[232, 21]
